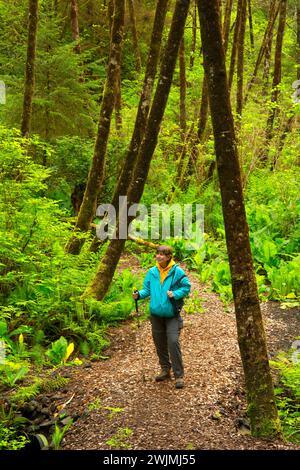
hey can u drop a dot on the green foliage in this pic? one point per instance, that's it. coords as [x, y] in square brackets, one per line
[12, 372]
[288, 395]
[285, 280]
[120, 439]
[40, 285]
[58, 351]
[50, 385]
[10, 440]
[59, 433]
[59, 88]
[24, 394]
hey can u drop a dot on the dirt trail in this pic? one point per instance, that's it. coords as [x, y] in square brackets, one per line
[114, 403]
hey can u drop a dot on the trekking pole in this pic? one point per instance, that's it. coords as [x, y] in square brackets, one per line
[138, 334]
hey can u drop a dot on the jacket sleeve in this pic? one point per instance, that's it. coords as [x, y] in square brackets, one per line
[183, 289]
[145, 291]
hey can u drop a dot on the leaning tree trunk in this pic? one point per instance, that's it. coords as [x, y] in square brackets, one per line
[96, 173]
[104, 275]
[30, 67]
[142, 112]
[262, 50]
[276, 80]
[251, 336]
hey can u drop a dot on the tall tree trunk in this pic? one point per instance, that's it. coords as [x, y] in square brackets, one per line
[138, 62]
[104, 275]
[118, 84]
[75, 25]
[226, 23]
[142, 112]
[30, 67]
[268, 50]
[194, 35]
[250, 24]
[235, 43]
[182, 90]
[262, 50]
[240, 61]
[252, 342]
[276, 80]
[96, 173]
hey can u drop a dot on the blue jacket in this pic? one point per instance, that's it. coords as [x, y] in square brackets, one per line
[160, 304]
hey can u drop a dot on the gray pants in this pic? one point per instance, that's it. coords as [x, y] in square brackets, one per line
[165, 332]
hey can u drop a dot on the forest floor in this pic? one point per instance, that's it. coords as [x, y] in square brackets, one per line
[118, 404]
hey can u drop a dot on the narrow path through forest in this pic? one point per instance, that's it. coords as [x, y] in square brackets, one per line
[118, 400]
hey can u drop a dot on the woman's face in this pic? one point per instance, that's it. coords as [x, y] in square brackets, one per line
[162, 259]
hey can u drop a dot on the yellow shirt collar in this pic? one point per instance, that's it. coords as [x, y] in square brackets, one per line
[163, 272]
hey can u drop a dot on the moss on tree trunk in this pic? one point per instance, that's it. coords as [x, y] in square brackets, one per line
[251, 337]
[104, 275]
[96, 173]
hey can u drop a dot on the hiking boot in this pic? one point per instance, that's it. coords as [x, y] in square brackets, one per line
[164, 375]
[179, 382]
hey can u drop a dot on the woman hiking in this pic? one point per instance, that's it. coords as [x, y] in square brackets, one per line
[166, 283]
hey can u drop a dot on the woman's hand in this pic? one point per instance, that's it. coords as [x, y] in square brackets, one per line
[135, 295]
[170, 294]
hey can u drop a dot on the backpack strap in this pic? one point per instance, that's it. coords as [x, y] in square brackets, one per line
[178, 280]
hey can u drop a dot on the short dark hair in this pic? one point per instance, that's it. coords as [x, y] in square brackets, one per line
[165, 250]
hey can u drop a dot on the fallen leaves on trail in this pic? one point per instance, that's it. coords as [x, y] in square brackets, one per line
[208, 413]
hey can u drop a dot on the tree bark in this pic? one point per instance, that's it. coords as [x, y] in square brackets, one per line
[240, 62]
[30, 67]
[75, 25]
[268, 32]
[104, 275]
[138, 62]
[118, 84]
[96, 173]
[251, 337]
[276, 80]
